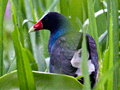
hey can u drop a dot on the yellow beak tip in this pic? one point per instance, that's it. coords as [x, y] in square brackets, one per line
[31, 29]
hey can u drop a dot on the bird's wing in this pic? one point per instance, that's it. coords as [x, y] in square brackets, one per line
[64, 49]
[62, 52]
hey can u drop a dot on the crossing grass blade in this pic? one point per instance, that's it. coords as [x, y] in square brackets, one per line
[32, 9]
[110, 80]
[26, 80]
[25, 76]
[12, 66]
[92, 25]
[84, 65]
[20, 20]
[3, 4]
[106, 65]
[115, 41]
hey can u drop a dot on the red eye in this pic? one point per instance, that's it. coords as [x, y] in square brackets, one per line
[46, 18]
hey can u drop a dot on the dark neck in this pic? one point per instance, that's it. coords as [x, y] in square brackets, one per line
[57, 33]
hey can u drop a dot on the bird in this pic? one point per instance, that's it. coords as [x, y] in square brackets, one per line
[65, 47]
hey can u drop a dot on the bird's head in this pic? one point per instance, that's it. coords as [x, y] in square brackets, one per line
[51, 21]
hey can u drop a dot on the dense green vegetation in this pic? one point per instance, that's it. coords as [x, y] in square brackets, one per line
[24, 56]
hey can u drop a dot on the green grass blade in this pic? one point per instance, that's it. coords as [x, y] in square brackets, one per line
[32, 9]
[26, 81]
[106, 65]
[115, 39]
[25, 76]
[20, 20]
[110, 80]
[28, 71]
[27, 36]
[21, 74]
[3, 4]
[92, 24]
[84, 65]
[1, 38]
[108, 17]
[12, 66]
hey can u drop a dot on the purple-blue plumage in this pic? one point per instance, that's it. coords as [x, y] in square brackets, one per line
[63, 44]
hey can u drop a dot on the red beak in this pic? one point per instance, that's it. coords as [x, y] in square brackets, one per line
[36, 27]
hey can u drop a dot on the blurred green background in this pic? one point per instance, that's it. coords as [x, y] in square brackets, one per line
[20, 15]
